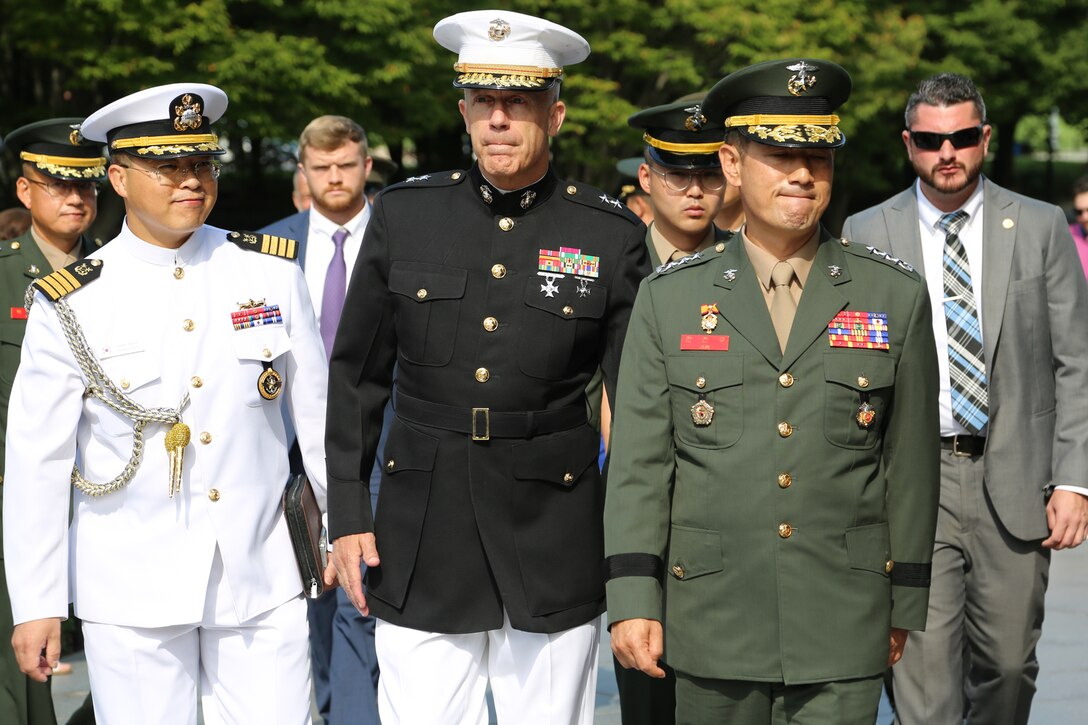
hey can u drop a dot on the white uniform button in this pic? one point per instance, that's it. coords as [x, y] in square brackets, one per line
[178, 272]
[205, 437]
[213, 495]
[188, 325]
[196, 381]
[267, 353]
[125, 384]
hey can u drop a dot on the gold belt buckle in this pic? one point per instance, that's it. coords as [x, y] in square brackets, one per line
[485, 414]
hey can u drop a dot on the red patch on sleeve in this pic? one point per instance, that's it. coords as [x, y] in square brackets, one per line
[18, 313]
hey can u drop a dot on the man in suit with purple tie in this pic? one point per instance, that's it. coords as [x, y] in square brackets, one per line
[334, 162]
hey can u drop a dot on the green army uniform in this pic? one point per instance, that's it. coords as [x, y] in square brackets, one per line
[775, 510]
[48, 147]
[677, 141]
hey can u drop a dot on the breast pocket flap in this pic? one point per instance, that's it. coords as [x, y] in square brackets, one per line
[425, 282]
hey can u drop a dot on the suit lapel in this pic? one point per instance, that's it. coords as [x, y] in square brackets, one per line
[821, 300]
[742, 303]
[999, 214]
[905, 240]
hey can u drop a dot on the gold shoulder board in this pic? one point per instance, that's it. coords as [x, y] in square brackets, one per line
[265, 244]
[69, 279]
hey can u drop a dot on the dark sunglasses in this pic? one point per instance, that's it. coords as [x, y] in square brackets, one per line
[963, 139]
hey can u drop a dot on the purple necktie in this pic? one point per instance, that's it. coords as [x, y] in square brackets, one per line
[336, 283]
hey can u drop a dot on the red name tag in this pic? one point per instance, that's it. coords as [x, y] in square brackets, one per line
[704, 342]
[18, 313]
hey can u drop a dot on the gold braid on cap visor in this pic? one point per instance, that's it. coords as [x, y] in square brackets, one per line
[175, 143]
[501, 76]
[682, 148]
[799, 129]
[78, 168]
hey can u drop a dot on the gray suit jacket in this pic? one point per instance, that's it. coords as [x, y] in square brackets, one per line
[1035, 339]
[297, 227]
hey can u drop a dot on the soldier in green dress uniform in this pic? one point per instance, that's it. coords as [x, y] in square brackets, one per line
[59, 185]
[682, 178]
[772, 492]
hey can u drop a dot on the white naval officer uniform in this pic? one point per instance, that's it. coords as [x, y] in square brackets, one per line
[158, 580]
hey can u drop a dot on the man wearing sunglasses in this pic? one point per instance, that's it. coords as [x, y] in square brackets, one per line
[153, 381]
[59, 186]
[1009, 304]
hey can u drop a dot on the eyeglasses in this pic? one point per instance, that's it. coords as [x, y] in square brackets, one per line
[174, 175]
[681, 180]
[962, 139]
[63, 189]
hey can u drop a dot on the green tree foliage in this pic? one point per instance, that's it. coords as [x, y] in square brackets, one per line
[285, 61]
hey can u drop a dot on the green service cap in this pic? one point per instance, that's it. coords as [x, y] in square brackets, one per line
[678, 136]
[50, 148]
[782, 102]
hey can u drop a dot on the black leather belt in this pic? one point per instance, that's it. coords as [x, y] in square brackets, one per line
[964, 445]
[484, 424]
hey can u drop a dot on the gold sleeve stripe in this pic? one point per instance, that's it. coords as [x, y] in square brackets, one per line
[682, 148]
[771, 120]
[62, 160]
[127, 143]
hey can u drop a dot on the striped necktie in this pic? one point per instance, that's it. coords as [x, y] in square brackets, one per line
[966, 365]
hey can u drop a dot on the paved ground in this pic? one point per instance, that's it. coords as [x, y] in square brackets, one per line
[1063, 682]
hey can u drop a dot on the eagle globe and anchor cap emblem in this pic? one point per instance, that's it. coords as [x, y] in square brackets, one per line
[803, 79]
[695, 121]
[498, 30]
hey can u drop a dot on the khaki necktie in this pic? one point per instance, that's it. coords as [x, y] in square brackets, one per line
[783, 307]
